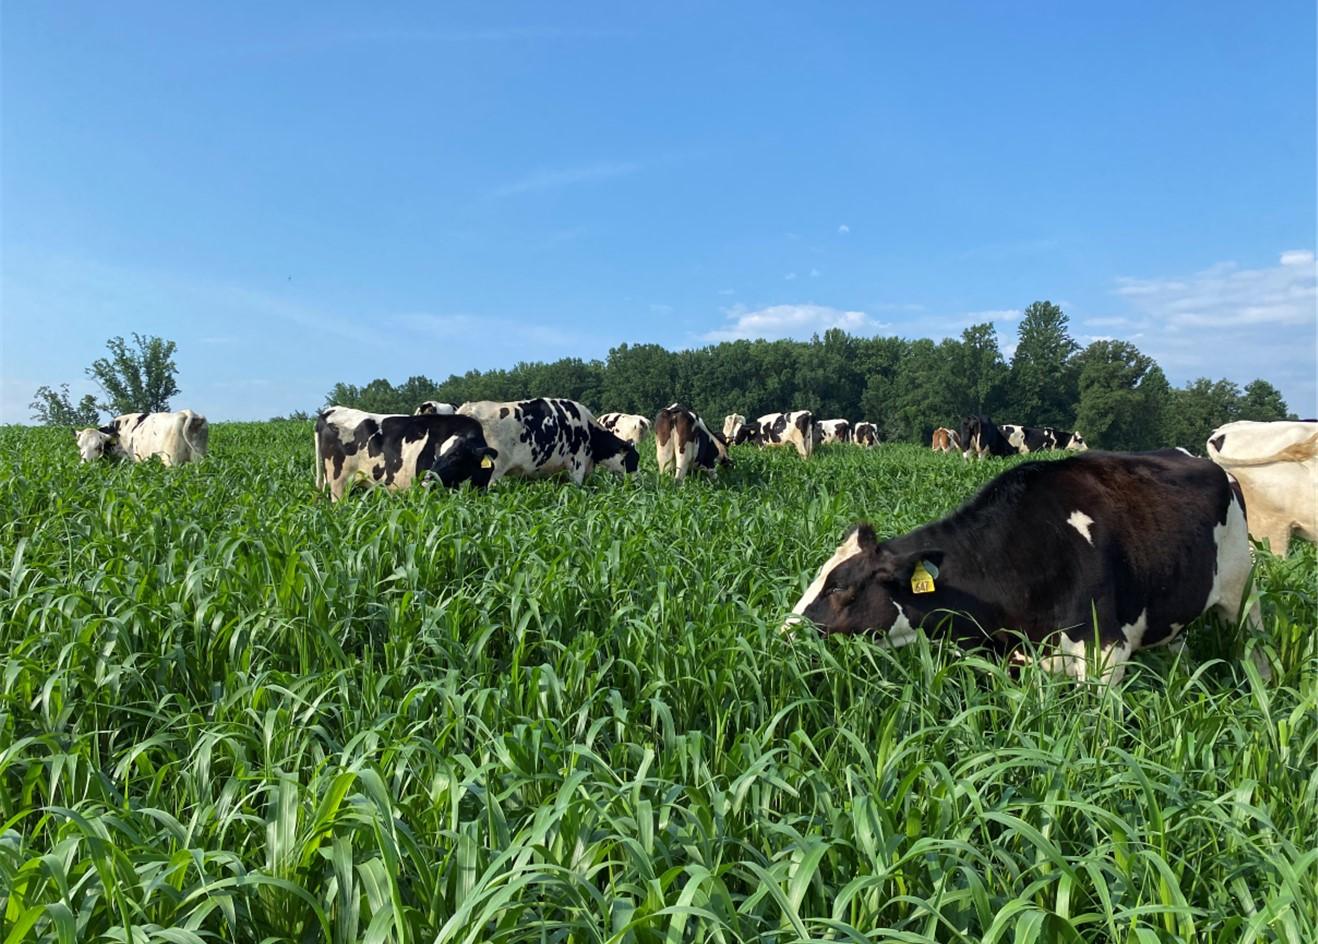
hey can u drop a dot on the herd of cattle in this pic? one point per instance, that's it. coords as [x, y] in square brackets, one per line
[1100, 554]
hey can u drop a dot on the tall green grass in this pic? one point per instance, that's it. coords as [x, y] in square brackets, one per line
[232, 711]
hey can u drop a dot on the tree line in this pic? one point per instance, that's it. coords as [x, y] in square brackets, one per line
[1118, 397]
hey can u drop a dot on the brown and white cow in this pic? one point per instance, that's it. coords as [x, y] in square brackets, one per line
[629, 426]
[175, 437]
[946, 440]
[1106, 550]
[396, 450]
[1276, 465]
[684, 442]
[547, 435]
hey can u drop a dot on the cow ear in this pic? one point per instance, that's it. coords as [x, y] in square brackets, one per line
[900, 567]
[866, 537]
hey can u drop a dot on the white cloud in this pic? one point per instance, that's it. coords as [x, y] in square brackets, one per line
[1226, 295]
[793, 321]
[727, 291]
[789, 276]
[466, 327]
[661, 309]
[814, 273]
[565, 177]
[844, 229]
[992, 314]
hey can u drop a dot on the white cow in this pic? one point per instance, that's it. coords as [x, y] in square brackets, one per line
[732, 426]
[1276, 465]
[175, 437]
[435, 408]
[629, 426]
[834, 431]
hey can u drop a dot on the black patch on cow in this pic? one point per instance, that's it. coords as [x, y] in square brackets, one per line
[605, 445]
[1008, 561]
[802, 423]
[1218, 441]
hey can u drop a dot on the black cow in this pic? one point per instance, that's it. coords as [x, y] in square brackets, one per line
[397, 450]
[682, 440]
[1122, 549]
[981, 436]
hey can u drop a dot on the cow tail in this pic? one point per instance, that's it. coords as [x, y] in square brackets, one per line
[196, 434]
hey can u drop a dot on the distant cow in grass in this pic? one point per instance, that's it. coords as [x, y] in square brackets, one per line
[1028, 439]
[866, 434]
[1099, 555]
[175, 437]
[733, 424]
[547, 435]
[396, 450]
[683, 442]
[945, 440]
[629, 426]
[981, 437]
[794, 429]
[833, 431]
[435, 408]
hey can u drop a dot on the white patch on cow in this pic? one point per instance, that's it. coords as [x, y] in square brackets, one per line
[448, 444]
[901, 634]
[92, 444]
[1231, 579]
[1081, 522]
[1070, 657]
[847, 550]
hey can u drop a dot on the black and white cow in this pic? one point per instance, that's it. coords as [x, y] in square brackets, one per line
[435, 408]
[833, 431]
[175, 437]
[396, 450]
[683, 441]
[865, 434]
[1119, 549]
[733, 424]
[629, 426]
[1028, 439]
[794, 429]
[981, 436]
[546, 435]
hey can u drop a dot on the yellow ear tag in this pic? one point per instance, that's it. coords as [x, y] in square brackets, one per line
[487, 462]
[921, 580]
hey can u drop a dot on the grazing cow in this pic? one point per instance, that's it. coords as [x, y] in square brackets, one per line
[1028, 439]
[1276, 465]
[945, 440]
[546, 435]
[396, 450]
[682, 440]
[981, 436]
[175, 437]
[866, 434]
[435, 408]
[1119, 549]
[629, 426]
[834, 431]
[733, 424]
[785, 429]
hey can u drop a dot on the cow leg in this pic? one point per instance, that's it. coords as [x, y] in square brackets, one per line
[580, 470]
[1278, 538]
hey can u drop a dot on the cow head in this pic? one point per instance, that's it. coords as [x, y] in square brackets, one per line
[1077, 443]
[95, 444]
[859, 589]
[464, 460]
[613, 452]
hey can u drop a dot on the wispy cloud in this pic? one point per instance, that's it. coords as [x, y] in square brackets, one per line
[330, 40]
[727, 291]
[844, 229]
[792, 321]
[541, 180]
[789, 276]
[1227, 295]
[815, 273]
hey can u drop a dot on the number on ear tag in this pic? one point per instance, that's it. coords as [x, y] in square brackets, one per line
[921, 580]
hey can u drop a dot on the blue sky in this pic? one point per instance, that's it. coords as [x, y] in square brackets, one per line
[300, 194]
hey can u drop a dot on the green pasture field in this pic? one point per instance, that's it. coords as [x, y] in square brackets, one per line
[231, 711]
